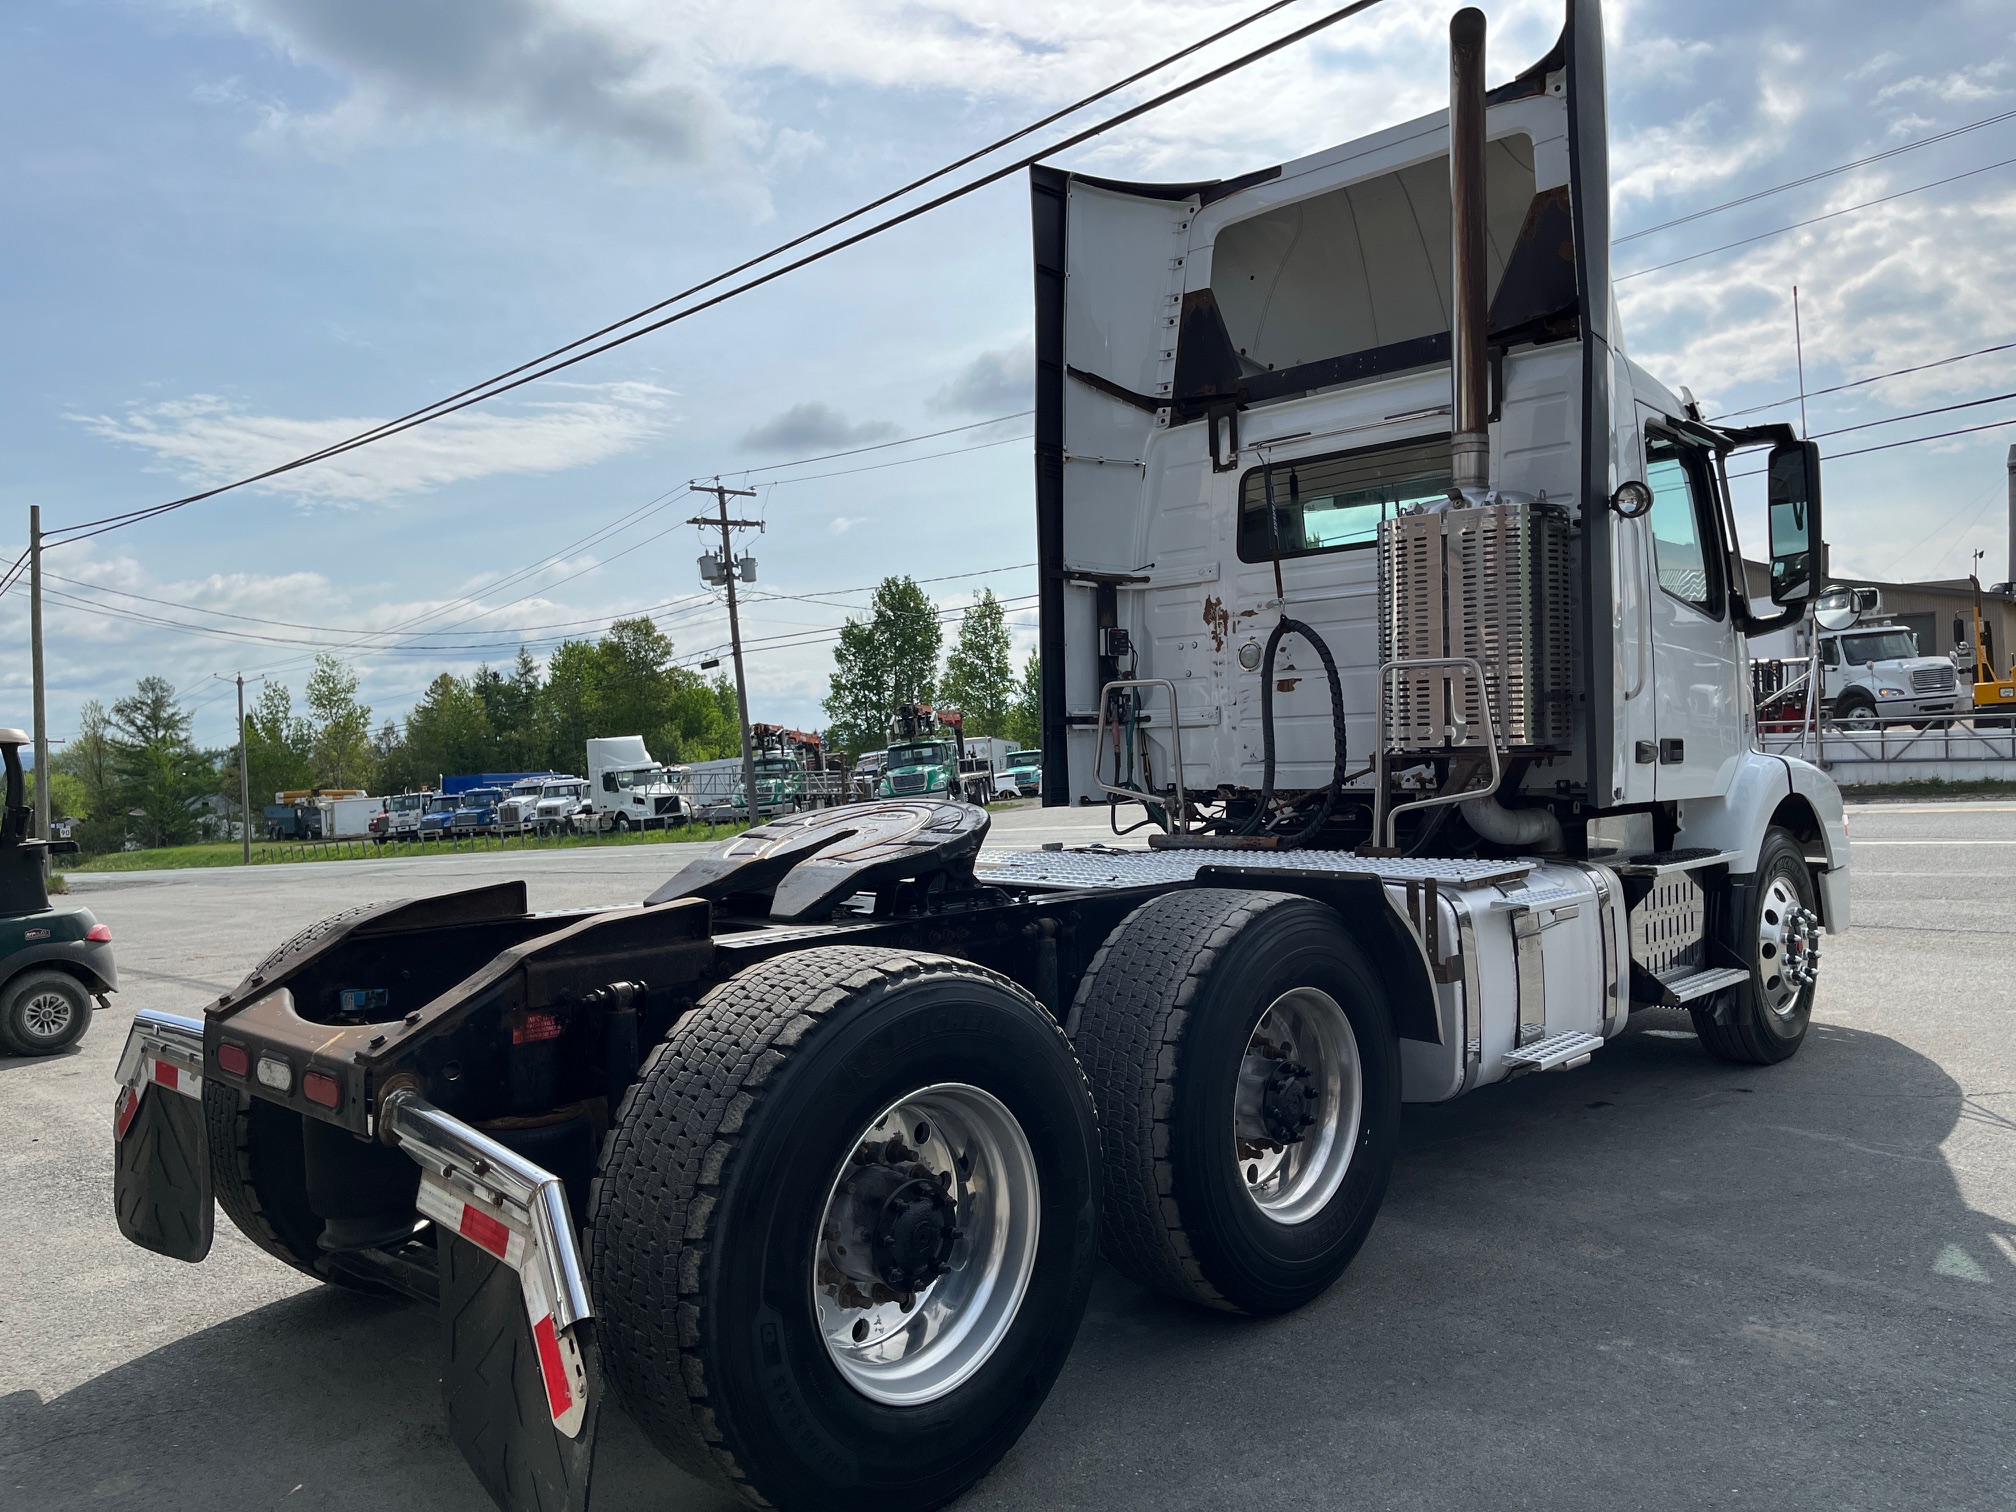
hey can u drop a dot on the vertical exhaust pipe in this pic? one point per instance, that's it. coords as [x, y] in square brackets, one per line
[1470, 445]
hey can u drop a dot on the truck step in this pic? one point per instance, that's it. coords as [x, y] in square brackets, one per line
[1558, 1053]
[1665, 863]
[1687, 988]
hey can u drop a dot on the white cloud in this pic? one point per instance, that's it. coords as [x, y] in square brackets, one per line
[205, 440]
[841, 524]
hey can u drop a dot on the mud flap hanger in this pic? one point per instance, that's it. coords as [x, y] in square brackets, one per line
[514, 1211]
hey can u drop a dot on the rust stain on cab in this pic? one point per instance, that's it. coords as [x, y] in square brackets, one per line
[1217, 620]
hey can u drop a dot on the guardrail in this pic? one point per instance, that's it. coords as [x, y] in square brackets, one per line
[1899, 750]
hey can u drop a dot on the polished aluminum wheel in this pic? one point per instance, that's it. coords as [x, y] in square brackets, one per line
[1296, 1113]
[48, 1015]
[927, 1244]
[1788, 945]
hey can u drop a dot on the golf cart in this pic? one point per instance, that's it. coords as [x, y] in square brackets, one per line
[53, 961]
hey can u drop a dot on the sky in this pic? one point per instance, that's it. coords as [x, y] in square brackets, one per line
[240, 229]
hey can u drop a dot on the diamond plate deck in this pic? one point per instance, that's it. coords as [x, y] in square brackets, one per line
[1078, 868]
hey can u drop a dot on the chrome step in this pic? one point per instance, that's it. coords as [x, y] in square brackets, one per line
[1559, 1053]
[1687, 988]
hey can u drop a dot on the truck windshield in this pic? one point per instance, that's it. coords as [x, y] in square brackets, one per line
[1883, 645]
[560, 790]
[1020, 759]
[444, 805]
[639, 777]
[919, 755]
[776, 766]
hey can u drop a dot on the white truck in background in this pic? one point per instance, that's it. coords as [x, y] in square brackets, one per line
[628, 790]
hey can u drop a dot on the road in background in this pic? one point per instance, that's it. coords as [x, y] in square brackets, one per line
[1656, 1281]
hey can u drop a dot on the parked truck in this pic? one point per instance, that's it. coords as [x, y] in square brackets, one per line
[628, 790]
[927, 754]
[1433, 695]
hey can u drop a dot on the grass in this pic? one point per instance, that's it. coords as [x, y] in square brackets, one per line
[287, 852]
[1980, 787]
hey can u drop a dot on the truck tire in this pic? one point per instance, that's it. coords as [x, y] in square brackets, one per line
[1856, 710]
[1774, 929]
[260, 1179]
[762, 1133]
[1243, 1058]
[42, 1012]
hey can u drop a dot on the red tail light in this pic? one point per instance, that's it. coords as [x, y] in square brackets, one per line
[102, 933]
[233, 1058]
[321, 1087]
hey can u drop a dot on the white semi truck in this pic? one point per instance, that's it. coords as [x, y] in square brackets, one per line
[628, 790]
[1419, 642]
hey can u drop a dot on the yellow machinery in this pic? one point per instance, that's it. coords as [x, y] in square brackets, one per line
[1990, 691]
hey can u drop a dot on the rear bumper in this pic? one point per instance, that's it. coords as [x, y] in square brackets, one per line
[470, 1186]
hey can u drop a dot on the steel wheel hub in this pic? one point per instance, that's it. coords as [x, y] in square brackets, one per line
[926, 1244]
[1788, 945]
[1297, 1107]
[47, 1015]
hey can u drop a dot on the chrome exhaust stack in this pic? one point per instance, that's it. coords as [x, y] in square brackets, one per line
[1470, 443]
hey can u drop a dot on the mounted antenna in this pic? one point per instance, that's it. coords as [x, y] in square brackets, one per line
[1470, 445]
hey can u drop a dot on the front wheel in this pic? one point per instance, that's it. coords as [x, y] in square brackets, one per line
[1247, 1075]
[1775, 930]
[846, 1227]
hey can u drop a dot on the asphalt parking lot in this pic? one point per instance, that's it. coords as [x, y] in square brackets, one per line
[1656, 1281]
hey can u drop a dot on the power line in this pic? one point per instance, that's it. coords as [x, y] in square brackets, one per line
[557, 360]
[1864, 382]
[1811, 178]
[845, 472]
[1814, 221]
[1893, 445]
[878, 446]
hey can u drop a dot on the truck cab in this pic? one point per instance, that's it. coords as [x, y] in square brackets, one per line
[476, 812]
[629, 790]
[561, 805]
[1025, 768]
[403, 812]
[1873, 672]
[437, 819]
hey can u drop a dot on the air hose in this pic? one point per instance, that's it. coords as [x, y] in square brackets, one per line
[1308, 831]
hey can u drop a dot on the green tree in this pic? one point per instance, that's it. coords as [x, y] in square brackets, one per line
[888, 659]
[159, 772]
[279, 749]
[67, 798]
[1025, 716]
[980, 672]
[626, 684]
[88, 758]
[448, 731]
[342, 727]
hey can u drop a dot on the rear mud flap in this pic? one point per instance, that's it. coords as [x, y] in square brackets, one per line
[495, 1392]
[161, 1162]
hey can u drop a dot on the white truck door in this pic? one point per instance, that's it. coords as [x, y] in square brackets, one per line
[1697, 666]
[1110, 295]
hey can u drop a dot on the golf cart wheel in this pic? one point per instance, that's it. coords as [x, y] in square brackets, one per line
[1776, 932]
[42, 1012]
[845, 1228]
[1243, 1058]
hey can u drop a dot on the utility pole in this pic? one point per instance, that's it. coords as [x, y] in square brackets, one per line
[728, 566]
[244, 769]
[2011, 579]
[35, 650]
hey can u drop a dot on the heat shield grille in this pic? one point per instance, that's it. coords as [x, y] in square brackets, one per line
[1491, 583]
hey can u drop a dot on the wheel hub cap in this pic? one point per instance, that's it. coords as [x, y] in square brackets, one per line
[1788, 945]
[1297, 1106]
[926, 1245]
[47, 1015]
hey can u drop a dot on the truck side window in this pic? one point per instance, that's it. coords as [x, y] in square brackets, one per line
[1682, 523]
[1335, 502]
[1830, 653]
